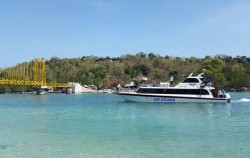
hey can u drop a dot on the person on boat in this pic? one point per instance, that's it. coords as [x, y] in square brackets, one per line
[118, 87]
[206, 80]
[215, 93]
[222, 93]
[171, 80]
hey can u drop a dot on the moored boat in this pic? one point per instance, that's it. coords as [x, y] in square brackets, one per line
[191, 89]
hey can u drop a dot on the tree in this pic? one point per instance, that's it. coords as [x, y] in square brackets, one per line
[4, 89]
[129, 71]
[151, 56]
[142, 55]
[213, 67]
[142, 69]
[238, 79]
[98, 82]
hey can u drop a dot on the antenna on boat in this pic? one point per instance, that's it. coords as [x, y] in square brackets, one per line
[192, 73]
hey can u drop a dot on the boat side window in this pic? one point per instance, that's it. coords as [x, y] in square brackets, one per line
[193, 91]
[139, 90]
[174, 91]
[161, 91]
[198, 92]
[145, 90]
[204, 92]
[191, 80]
[150, 91]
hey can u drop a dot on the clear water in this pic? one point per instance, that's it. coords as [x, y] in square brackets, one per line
[104, 126]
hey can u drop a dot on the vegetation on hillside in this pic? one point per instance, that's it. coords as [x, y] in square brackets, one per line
[224, 71]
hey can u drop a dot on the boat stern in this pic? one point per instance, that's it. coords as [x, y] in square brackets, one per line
[228, 97]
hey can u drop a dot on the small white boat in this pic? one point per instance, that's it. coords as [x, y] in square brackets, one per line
[191, 89]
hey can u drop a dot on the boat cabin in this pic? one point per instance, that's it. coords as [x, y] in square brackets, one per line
[195, 82]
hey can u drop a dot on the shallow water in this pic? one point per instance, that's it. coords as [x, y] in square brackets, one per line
[103, 125]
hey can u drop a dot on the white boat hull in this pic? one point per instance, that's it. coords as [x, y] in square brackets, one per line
[193, 89]
[171, 99]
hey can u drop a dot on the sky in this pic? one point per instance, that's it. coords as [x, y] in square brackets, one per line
[74, 28]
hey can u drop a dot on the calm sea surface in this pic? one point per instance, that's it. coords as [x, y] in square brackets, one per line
[104, 126]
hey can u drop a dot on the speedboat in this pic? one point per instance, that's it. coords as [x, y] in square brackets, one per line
[191, 89]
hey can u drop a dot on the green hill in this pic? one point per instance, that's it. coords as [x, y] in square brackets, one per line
[225, 71]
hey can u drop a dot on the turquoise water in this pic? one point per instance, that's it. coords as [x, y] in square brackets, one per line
[104, 126]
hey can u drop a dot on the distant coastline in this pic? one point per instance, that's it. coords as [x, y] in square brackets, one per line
[229, 73]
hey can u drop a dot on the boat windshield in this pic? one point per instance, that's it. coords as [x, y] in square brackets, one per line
[191, 80]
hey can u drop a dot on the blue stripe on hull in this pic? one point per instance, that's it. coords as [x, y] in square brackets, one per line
[168, 99]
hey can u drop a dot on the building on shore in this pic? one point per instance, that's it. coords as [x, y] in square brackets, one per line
[78, 88]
